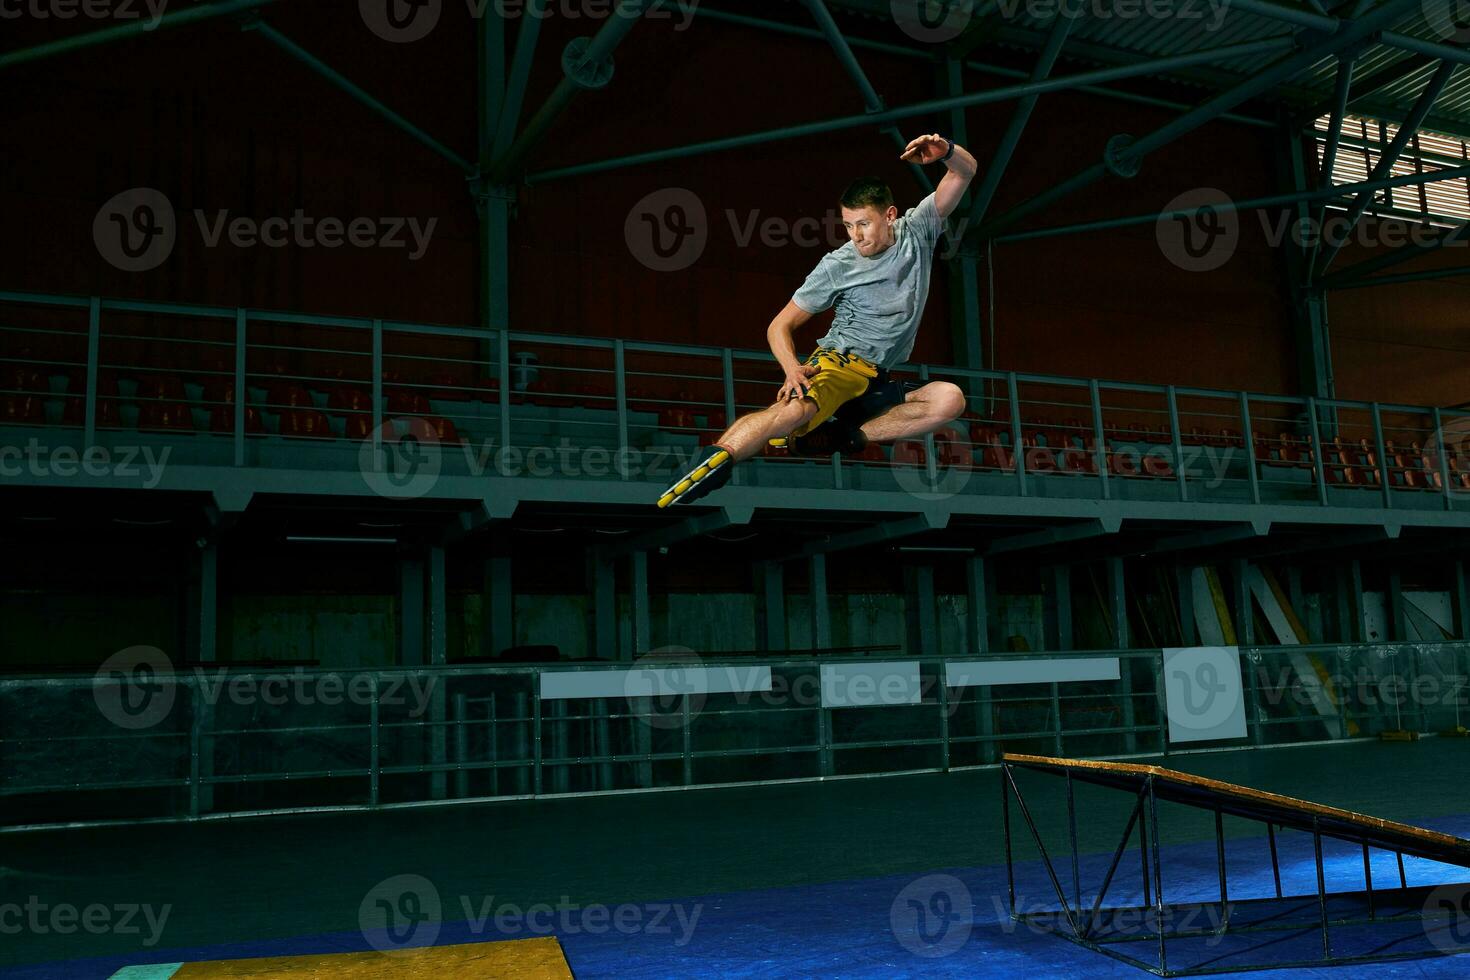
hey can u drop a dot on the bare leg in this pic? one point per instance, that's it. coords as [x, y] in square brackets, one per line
[926, 409]
[748, 436]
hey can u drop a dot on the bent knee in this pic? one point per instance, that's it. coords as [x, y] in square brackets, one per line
[948, 399]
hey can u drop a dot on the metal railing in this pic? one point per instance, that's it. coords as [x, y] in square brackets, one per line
[210, 740]
[247, 388]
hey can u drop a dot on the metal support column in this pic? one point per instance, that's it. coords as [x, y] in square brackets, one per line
[1245, 620]
[771, 605]
[642, 618]
[821, 609]
[1057, 603]
[1122, 639]
[1459, 599]
[922, 634]
[602, 624]
[497, 617]
[437, 616]
[410, 609]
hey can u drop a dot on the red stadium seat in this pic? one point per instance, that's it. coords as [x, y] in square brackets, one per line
[306, 423]
[165, 416]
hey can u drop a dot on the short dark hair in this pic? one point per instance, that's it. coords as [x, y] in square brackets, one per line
[867, 191]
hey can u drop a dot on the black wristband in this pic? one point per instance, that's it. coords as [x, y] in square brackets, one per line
[949, 153]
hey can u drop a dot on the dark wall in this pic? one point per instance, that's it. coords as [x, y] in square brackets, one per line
[220, 119]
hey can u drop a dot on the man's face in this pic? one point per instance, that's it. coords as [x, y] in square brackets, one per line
[871, 230]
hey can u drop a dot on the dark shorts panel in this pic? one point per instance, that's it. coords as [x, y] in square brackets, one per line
[882, 394]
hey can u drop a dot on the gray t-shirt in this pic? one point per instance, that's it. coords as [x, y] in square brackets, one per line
[879, 300]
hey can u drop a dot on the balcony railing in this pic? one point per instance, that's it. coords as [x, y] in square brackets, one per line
[247, 388]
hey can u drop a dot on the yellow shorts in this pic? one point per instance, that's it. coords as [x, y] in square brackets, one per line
[842, 378]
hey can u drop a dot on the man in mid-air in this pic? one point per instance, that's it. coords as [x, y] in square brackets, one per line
[841, 399]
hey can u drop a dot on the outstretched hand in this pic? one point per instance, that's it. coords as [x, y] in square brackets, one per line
[925, 149]
[795, 384]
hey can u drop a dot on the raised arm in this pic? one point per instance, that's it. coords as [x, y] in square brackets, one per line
[962, 168]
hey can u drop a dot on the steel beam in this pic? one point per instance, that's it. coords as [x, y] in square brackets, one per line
[1262, 81]
[1406, 132]
[985, 193]
[362, 96]
[1064, 534]
[121, 32]
[929, 107]
[626, 13]
[877, 534]
[672, 534]
[1274, 200]
[904, 51]
[872, 101]
[821, 611]
[1404, 253]
[520, 73]
[1426, 275]
[1212, 538]
[1373, 84]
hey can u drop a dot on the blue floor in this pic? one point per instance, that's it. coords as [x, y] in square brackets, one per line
[942, 924]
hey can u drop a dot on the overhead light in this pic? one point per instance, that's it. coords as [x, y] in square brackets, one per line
[323, 539]
[958, 551]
